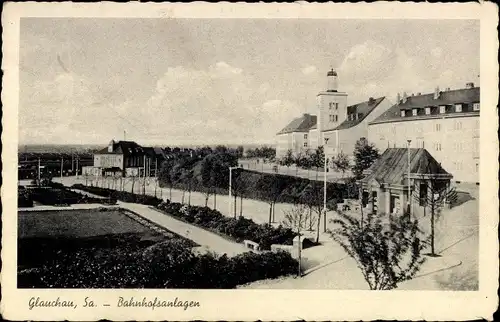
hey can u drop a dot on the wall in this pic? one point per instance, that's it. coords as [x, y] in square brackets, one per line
[108, 160]
[283, 143]
[323, 101]
[453, 141]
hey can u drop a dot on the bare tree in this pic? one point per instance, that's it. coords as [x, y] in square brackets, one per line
[386, 248]
[312, 196]
[295, 219]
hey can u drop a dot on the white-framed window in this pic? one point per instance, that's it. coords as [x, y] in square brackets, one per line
[305, 144]
[442, 109]
[437, 127]
[414, 112]
[476, 107]
[427, 111]
[437, 146]
[336, 118]
[458, 108]
[330, 105]
[305, 136]
[403, 113]
[336, 106]
[457, 125]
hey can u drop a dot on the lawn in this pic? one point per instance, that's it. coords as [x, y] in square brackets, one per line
[50, 241]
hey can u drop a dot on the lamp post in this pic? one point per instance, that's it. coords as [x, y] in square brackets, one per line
[230, 188]
[409, 187]
[324, 185]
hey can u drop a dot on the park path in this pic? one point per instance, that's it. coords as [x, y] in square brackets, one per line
[208, 240]
[202, 237]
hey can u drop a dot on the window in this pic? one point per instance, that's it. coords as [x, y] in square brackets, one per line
[305, 144]
[330, 105]
[414, 112]
[477, 167]
[427, 110]
[442, 109]
[476, 107]
[336, 106]
[393, 129]
[458, 125]
[305, 136]
[458, 108]
[403, 113]
[422, 194]
[437, 127]
[437, 146]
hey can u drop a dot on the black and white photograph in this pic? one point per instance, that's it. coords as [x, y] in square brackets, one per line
[249, 153]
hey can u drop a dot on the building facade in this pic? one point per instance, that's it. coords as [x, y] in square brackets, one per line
[337, 124]
[125, 158]
[446, 123]
[385, 186]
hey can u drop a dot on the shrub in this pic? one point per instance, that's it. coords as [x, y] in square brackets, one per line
[167, 264]
[24, 198]
[239, 229]
[120, 195]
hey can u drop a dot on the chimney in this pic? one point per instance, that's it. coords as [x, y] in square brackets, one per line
[404, 97]
[436, 93]
[371, 100]
[447, 89]
[418, 94]
[469, 85]
[398, 99]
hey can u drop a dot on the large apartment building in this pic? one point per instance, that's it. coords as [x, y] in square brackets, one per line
[337, 125]
[445, 123]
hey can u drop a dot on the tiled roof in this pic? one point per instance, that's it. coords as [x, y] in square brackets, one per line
[364, 108]
[464, 96]
[300, 124]
[392, 166]
[124, 147]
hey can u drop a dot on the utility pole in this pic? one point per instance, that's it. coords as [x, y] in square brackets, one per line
[144, 176]
[72, 163]
[77, 158]
[62, 167]
[409, 187]
[324, 186]
[39, 182]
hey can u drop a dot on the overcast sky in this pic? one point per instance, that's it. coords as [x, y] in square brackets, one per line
[208, 81]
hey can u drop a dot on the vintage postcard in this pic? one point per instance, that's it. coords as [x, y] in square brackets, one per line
[249, 161]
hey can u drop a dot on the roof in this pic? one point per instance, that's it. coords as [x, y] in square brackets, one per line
[451, 97]
[364, 108]
[300, 124]
[392, 167]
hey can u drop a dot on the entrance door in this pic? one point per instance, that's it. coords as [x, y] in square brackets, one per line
[392, 204]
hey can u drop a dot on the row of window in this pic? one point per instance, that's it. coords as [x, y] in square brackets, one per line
[334, 118]
[442, 110]
[333, 105]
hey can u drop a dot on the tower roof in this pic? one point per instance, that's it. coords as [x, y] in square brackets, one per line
[331, 73]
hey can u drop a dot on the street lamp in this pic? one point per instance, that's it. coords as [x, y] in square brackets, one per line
[230, 188]
[409, 187]
[324, 185]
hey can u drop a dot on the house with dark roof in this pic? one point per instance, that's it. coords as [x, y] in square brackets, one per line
[337, 126]
[446, 123]
[399, 173]
[126, 158]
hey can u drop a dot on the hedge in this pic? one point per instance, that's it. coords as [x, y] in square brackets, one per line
[120, 195]
[238, 229]
[24, 198]
[58, 196]
[168, 264]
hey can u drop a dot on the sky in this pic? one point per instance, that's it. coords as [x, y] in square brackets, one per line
[220, 81]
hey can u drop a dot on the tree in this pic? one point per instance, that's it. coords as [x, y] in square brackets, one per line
[318, 159]
[341, 163]
[295, 219]
[313, 197]
[432, 194]
[166, 177]
[365, 154]
[270, 189]
[387, 248]
[288, 159]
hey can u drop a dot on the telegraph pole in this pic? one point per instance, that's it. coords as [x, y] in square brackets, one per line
[62, 167]
[324, 185]
[39, 182]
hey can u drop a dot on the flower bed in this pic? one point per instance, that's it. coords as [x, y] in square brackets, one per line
[239, 229]
[120, 195]
[59, 196]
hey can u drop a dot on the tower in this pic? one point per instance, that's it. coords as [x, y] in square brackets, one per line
[332, 109]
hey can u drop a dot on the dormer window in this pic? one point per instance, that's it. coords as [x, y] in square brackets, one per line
[414, 112]
[476, 107]
[403, 114]
[427, 111]
[442, 109]
[458, 108]
[360, 115]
